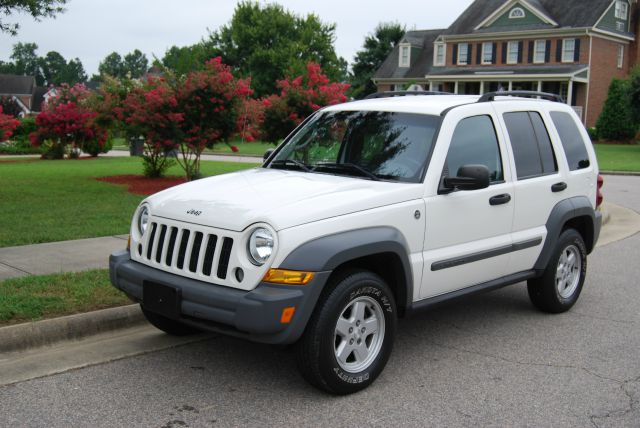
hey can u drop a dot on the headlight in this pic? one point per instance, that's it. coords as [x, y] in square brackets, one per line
[143, 220]
[260, 246]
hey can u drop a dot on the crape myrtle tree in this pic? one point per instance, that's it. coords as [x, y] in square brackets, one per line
[299, 97]
[8, 124]
[210, 102]
[67, 122]
[36, 8]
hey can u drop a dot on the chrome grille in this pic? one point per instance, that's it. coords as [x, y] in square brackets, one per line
[191, 251]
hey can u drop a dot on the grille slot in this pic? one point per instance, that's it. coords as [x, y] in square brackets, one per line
[194, 252]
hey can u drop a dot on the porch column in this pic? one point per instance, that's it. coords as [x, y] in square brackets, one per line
[431, 85]
[570, 92]
[539, 85]
[510, 85]
[455, 87]
[481, 87]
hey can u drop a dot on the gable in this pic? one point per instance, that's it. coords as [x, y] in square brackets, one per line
[611, 22]
[516, 15]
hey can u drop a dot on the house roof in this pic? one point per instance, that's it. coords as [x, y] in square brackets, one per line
[420, 65]
[568, 69]
[11, 84]
[567, 13]
[38, 98]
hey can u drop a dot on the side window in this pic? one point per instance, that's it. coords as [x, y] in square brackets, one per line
[474, 142]
[572, 141]
[531, 145]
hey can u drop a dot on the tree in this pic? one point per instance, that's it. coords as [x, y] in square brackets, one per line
[634, 93]
[615, 121]
[135, 63]
[7, 125]
[111, 65]
[299, 98]
[26, 61]
[36, 8]
[183, 60]
[268, 43]
[376, 48]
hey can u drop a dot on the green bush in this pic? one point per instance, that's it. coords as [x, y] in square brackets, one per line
[616, 121]
[19, 143]
[92, 147]
[593, 134]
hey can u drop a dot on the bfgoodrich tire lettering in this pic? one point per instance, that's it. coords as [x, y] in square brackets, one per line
[558, 289]
[350, 335]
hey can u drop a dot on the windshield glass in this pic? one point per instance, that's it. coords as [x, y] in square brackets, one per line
[367, 144]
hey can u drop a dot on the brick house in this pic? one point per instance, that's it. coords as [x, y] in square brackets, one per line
[24, 91]
[571, 47]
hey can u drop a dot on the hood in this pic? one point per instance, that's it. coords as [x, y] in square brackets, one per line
[280, 198]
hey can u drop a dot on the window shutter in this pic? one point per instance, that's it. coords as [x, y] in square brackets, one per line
[531, 47]
[504, 52]
[576, 52]
[547, 52]
[469, 54]
[520, 46]
[559, 51]
[455, 54]
[478, 53]
[494, 53]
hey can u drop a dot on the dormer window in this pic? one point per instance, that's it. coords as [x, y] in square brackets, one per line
[622, 10]
[518, 12]
[405, 55]
[439, 54]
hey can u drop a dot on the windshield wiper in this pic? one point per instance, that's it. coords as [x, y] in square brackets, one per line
[350, 166]
[292, 162]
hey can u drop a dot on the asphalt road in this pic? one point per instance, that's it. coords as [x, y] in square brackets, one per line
[487, 360]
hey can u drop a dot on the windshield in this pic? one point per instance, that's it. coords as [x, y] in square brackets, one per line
[367, 144]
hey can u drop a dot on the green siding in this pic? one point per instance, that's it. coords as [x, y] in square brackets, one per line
[505, 21]
[609, 20]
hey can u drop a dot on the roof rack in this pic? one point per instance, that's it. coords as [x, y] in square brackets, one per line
[490, 96]
[389, 94]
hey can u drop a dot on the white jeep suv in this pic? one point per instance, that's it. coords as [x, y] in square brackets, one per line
[367, 212]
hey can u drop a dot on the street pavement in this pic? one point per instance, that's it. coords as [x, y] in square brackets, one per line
[486, 360]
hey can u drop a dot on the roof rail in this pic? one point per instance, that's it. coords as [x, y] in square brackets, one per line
[389, 94]
[490, 96]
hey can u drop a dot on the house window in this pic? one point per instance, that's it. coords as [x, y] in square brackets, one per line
[568, 50]
[621, 26]
[439, 54]
[540, 51]
[487, 53]
[622, 10]
[512, 52]
[620, 56]
[405, 55]
[516, 13]
[463, 53]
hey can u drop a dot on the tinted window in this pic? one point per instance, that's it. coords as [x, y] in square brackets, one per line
[366, 144]
[474, 142]
[572, 141]
[531, 145]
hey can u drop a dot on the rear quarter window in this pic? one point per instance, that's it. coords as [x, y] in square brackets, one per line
[572, 141]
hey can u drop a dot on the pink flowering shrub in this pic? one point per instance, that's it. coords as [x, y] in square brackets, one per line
[7, 125]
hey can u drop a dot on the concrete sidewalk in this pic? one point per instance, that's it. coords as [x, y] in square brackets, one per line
[93, 253]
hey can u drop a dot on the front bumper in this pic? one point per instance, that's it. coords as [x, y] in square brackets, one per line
[254, 315]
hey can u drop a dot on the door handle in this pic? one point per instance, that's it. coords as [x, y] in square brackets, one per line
[559, 187]
[500, 199]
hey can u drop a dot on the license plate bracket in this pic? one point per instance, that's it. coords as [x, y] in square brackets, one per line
[161, 299]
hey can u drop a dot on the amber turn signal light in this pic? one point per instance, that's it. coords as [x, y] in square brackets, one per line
[287, 314]
[289, 277]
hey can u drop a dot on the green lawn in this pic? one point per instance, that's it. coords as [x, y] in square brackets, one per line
[618, 157]
[256, 148]
[35, 297]
[46, 201]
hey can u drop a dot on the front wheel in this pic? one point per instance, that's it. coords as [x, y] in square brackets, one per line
[558, 289]
[350, 336]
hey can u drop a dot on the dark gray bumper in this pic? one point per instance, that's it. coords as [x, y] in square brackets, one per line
[254, 315]
[597, 225]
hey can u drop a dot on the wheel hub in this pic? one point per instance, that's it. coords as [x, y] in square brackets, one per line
[568, 271]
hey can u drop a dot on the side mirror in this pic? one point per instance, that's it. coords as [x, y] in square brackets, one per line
[267, 154]
[469, 177]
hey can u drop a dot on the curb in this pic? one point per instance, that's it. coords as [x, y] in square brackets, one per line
[21, 337]
[623, 173]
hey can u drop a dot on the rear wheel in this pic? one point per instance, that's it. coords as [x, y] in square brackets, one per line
[169, 326]
[350, 335]
[558, 289]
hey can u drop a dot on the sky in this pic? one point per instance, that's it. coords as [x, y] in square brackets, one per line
[91, 29]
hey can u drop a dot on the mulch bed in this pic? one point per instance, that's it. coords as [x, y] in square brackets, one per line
[141, 185]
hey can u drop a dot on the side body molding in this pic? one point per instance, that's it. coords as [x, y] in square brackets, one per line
[564, 211]
[329, 252]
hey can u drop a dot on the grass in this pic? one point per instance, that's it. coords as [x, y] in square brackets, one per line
[618, 157]
[35, 297]
[46, 201]
[255, 148]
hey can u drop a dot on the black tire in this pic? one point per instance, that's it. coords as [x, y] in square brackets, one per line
[548, 292]
[354, 291]
[169, 326]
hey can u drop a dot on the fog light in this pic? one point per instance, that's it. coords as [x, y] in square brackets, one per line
[239, 274]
